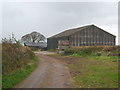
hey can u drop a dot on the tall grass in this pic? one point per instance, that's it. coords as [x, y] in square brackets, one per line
[14, 56]
[17, 62]
[15, 77]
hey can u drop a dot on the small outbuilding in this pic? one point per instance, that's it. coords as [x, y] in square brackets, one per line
[90, 35]
[39, 45]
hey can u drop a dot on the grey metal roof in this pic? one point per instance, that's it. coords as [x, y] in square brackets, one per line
[40, 44]
[74, 30]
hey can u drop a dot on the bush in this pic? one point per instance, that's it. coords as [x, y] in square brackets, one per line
[10, 80]
[98, 54]
[69, 51]
[85, 51]
[94, 50]
[34, 48]
[14, 56]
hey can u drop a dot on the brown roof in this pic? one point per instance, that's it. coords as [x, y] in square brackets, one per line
[71, 31]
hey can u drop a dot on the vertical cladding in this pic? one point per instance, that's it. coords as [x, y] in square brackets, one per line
[92, 36]
[72, 37]
[72, 40]
[86, 37]
[89, 36]
[95, 36]
[97, 41]
[112, 40]
[79, 39]
[83, 38]
[104, 37]
[75, 39]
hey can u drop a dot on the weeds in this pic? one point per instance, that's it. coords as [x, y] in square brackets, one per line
[17, 62]
[15, 77]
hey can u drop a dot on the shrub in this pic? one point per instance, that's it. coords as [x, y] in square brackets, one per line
[95, 50]
[98, 54]
[34, 48]
[70, 51]
[14, 56]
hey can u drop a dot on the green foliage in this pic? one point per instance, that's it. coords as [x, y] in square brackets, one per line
[94, 73]
[17, 62]
[113, 58]
[14, 57]
[34, 48]
[97, 67]
[70, 51]
[18, 44]
[15, 77]
[98, 54]
[96, 51]
[76, 55]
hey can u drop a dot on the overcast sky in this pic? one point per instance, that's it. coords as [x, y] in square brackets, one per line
[50, 18]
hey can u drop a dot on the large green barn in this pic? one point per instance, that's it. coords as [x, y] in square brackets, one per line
[90, 35]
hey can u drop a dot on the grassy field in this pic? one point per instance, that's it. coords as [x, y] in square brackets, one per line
[92, 67]
[95, 73]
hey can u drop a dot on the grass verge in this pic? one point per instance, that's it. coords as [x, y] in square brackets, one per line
[9, 81]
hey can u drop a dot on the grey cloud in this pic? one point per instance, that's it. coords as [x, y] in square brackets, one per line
[51, 18]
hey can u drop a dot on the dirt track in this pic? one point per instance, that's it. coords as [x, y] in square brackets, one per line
[50, 73]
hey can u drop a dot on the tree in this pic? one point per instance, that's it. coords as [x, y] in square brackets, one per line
[10, 40]
[33, 37]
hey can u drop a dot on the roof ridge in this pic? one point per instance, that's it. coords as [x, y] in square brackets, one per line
[68, 30]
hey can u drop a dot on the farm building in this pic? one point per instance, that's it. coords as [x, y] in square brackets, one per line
[90, 35]
[40, 45]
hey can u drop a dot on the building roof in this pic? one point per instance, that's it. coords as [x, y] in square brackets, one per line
[40, 44]
[74, 30]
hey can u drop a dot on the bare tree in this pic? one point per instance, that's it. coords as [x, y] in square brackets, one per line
[11, 39]
[33, 37]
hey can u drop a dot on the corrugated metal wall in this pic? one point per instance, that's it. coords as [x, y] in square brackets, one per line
[92, 36]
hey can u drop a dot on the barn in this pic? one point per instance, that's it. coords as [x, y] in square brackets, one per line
[39, 45]
[89, 35]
